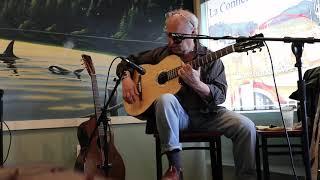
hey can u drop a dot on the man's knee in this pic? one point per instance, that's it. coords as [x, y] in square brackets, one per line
[243, 125]
[247, 125]
[165, 100]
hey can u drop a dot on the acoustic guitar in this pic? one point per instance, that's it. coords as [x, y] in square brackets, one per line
[163, 77]
[91, 155]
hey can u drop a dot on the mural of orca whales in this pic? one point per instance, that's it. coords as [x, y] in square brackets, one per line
[8, 57]
[55, 69]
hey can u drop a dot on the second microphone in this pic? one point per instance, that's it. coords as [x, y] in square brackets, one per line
[131, 64]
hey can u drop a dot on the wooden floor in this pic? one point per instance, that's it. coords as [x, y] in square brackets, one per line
[228, 174]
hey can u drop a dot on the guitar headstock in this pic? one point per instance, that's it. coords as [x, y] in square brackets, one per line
[87, 61]
[247, 45]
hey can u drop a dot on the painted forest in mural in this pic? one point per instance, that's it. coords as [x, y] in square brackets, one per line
[53, 21]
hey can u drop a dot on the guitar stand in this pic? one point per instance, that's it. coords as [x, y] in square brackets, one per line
[103, 118]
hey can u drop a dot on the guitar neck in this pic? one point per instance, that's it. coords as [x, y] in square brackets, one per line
[96, 99]
[201, 61]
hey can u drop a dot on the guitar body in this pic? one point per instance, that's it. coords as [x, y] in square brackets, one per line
[150, 88]
[163, 77]
[87, 161]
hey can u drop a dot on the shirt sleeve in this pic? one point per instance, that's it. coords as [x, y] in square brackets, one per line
[214, 76]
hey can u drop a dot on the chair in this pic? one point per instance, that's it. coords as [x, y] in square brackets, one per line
[269, 149]
[211, 137]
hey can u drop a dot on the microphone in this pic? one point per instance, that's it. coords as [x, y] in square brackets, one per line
[138, 68]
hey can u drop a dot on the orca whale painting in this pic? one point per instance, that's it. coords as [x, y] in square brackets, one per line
[41, 43]
[9, 58]
[8, 55]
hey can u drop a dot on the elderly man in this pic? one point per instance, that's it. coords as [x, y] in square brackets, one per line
[196, 105]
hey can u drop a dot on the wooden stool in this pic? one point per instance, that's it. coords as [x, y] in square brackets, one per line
[278, 149]
[211, 137]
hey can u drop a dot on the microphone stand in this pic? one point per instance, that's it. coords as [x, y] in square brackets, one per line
[297, 48]
[103, 118]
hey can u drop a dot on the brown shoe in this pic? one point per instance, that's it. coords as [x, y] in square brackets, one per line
[171, 174]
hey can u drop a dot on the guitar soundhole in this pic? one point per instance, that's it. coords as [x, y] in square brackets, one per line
[162, 78]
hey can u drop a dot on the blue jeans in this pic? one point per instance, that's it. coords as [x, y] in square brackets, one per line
[171, 118]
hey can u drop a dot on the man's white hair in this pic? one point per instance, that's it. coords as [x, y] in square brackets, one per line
[189, 16]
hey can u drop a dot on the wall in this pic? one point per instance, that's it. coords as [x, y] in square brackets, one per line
[58, 146]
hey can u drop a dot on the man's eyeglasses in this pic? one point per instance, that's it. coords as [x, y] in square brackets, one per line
[175, 37]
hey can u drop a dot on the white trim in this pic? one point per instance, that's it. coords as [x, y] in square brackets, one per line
[63, 123]
[75, 122]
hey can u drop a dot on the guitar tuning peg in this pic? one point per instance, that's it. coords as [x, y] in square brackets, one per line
[247, 53]
[253, 51]
[260, 49]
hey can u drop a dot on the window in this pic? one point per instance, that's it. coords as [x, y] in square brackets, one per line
[251, 85]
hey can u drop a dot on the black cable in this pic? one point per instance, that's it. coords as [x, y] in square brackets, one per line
[10, 135]
[106, 86]
[285, 129]
[106, 91]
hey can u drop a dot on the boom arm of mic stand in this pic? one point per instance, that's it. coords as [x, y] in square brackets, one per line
[181, 36]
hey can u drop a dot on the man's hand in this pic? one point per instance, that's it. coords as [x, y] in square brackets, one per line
[192, 78]
[129, 90]
[189, 75]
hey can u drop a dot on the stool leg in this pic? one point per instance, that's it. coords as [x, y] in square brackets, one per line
[216, 160]
[258, 162]
[213, 159]
[304, 156]
[219, 158]
[264, 146]
[158, 159]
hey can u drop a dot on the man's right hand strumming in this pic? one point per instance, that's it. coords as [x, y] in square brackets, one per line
[129, 89]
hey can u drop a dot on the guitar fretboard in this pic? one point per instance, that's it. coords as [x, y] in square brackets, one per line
[210, 57]
[96, 99]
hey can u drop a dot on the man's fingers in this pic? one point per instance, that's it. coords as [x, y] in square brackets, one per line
[136, 91]
[182, 71]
